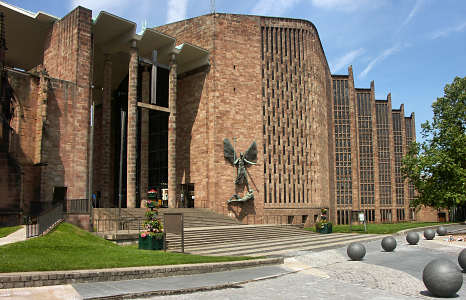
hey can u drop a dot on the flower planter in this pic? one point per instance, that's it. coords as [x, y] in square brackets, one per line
[325, 228]
[150, 243]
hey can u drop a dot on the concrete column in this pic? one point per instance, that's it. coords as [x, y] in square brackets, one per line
[41, 115]
[144, 175]
[172, 184]
[392, 150]
[132, 132]
[106, 172]
[354, 140]
[375, 149]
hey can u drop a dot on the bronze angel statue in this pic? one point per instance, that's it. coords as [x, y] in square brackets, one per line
[241, 162]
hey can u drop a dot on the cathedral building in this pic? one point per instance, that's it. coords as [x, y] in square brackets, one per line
[99, 115]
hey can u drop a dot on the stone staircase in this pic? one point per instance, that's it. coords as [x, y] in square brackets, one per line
[258, 240]
[209, 233]
[192, 217]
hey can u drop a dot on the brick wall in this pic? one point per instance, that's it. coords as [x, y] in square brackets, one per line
[226, 101]
[25, 88]
[55, 143]
[52, 115]
[67, 57]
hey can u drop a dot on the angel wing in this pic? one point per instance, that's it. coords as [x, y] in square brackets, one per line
[251, 153]
[228, 150]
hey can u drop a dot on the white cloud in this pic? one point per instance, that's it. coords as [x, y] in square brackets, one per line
[346, 5]
[273, 7]
[346, 60]
[176, 10]
[412, 13]
[381, 57]
[447, 31]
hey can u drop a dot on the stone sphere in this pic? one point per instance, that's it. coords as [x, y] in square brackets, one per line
[429, 234]
[441, 230]
[412, 237]
[356, 251]
[389, 243]
[462, 259]
[442, 278]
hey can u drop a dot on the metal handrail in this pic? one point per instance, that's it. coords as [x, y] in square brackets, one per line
[118, 224]
[77, 206]
[45, 222]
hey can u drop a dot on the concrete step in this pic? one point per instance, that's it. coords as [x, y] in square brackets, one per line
[277, 247]
[248, 240]
[228, 236]
[234, 249]
[257, 240]
[192, 217]
[279, 250]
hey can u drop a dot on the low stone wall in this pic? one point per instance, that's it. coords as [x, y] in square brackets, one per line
[80, 220]
[32, 279]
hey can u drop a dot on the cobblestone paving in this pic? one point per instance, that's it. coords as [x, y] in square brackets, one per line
[294, 286]
[331, 275]
[335, 265]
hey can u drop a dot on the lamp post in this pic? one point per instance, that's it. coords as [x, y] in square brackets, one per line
[122, 145]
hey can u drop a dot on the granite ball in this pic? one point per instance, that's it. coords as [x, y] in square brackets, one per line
[412, 238]
[462, 259]
[429, 234]
[389, 243]
[442, 278]
[356, 251]
[441, 230]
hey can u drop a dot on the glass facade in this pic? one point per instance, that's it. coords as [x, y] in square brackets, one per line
[383, 144]
[366, 149]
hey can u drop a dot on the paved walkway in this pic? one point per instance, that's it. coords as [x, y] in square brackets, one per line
[17, 236]
[324, 274]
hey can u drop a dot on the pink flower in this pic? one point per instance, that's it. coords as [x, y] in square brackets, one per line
[143, 234]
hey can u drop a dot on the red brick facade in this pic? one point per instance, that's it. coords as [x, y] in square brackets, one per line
[53, 104]
[322, 142]
[239, 98]
[370, 180]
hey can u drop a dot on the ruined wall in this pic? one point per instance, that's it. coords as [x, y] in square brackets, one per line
[55, 144]
[22, 145]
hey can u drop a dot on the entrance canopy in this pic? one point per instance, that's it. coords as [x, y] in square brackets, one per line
[113, 36]
[26, 33]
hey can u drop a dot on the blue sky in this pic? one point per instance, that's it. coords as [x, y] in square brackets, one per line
[410, 48]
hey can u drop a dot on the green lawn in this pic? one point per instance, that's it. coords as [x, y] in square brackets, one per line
[380, 228]
[4, 231]
[70, 248]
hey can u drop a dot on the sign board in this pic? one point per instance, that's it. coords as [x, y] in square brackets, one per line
[357, 216]
[173, 223]
[164, 194]
[361, 217]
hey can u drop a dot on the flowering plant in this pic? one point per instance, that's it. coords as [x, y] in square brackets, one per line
[323, 220]
[323, 216]
[151, 203]
[152, 226]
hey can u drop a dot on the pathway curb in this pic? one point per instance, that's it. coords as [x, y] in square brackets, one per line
[402, 232]
[35, 279]
[190, 290]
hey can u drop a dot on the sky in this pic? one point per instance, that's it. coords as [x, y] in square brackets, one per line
[411, 48]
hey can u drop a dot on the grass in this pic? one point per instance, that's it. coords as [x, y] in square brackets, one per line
[380, 228]
[70, 248]
[4, 231]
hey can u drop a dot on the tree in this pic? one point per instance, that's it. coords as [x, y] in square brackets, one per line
[437, 166]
